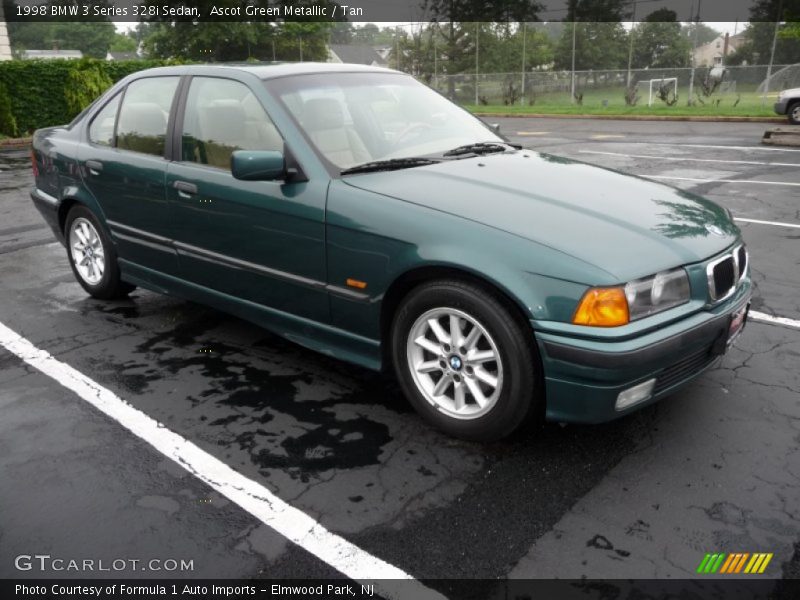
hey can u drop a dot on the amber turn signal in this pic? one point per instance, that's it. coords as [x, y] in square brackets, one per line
[356, 283]
[602, 307]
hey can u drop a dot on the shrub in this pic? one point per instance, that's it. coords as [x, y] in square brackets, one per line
[43, 93]
[8, 124]
[85, 82]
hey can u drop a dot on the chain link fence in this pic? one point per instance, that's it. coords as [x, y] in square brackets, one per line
[715, 85]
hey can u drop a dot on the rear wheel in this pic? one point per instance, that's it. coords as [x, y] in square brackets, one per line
[793, 113]
[92, 256]
[464, 362]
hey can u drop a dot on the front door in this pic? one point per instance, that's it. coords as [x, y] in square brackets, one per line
[262, 241]
[124, 167]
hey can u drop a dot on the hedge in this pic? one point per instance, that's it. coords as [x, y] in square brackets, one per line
[42, 93]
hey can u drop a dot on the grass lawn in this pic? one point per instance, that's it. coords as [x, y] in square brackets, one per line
[611, 102]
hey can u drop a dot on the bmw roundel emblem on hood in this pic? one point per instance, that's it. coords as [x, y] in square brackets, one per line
[715, 230]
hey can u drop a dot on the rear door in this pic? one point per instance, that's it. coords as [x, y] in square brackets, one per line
[124, 167]
[262, 241]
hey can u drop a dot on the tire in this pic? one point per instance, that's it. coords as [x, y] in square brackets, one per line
[432, 371]
[793, 112]
[92, 256]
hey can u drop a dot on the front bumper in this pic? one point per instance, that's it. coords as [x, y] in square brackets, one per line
[780, 107]
[584, 377]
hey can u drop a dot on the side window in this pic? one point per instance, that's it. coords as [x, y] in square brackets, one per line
[222, 116]
[142, 125]
[101, 131]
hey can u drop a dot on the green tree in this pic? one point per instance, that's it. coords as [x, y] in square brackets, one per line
[459, 22]
[123, 43]
[598, 45]
[600, 38]
[705, 34]
[658, 43]
[757, 47]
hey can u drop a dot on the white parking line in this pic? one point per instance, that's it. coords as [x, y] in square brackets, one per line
[759, 316]
[760, 222]
[693, 159]
[290, 522]
[720, 147]
[699, 180]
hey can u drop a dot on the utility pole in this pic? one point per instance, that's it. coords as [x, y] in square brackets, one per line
[694, 50]
[522, 91]
[772, 53]
[435, 67]
[630, 45]
[477, 57]
[397, 45]
[572, 83]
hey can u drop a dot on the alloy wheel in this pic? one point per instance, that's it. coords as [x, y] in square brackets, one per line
[455, 363]
[86, 250]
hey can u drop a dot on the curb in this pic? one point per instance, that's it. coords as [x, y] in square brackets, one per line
[699, 118]
[15, 143]
[781, 137]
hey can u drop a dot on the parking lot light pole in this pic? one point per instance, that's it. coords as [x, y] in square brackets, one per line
[694, 51]
[477, 56]
[572, 83]
[522, 90]
[772, 53]
[630, 45]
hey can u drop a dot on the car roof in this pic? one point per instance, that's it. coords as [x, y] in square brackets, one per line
[266, 70]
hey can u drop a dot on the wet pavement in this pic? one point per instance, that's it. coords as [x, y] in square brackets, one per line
[716, 468]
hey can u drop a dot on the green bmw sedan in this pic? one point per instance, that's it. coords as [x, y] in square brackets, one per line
[357, 212]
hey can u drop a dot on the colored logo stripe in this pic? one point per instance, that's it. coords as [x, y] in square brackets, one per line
[735, 563]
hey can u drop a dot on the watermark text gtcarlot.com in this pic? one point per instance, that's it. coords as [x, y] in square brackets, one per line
[47, 563]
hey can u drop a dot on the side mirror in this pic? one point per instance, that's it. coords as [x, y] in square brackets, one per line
[258, 165]
[495, 127]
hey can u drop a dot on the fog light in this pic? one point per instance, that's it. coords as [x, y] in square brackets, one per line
[636, 394]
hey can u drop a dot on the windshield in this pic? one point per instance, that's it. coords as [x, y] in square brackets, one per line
[356, 118]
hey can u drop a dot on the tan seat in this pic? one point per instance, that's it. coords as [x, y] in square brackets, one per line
[142, 127]
[222, 131]
[323, 120]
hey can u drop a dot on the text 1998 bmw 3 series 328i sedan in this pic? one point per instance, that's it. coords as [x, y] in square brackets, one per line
[357, 212]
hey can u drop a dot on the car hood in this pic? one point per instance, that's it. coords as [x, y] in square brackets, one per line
[625, 225]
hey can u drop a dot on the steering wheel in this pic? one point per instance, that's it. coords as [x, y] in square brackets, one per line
[415, 128]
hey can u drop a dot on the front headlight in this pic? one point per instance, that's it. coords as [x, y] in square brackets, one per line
[653, 294]
[612, 307]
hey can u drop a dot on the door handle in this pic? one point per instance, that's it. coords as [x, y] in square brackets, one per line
[185, 188]
[94, 166]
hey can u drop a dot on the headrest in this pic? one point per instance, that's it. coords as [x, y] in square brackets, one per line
[322, 113]
[223, 122]
[144, 118]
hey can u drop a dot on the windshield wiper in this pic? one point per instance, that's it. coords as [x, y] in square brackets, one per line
[390, 164]
[481, 148]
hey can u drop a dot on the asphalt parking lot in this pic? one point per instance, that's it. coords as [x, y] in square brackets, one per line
[715, 468]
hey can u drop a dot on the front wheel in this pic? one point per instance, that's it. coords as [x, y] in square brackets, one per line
[464, 362]
[92, 256]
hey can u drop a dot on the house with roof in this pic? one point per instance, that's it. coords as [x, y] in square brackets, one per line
[357, 54]
[113, 55]
[52, 54]
[714, 52]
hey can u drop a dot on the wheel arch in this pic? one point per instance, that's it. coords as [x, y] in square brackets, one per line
[405, 283]
[72, 196]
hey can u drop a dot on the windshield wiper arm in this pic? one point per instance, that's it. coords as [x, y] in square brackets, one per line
[481, 148]
[390, 164]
